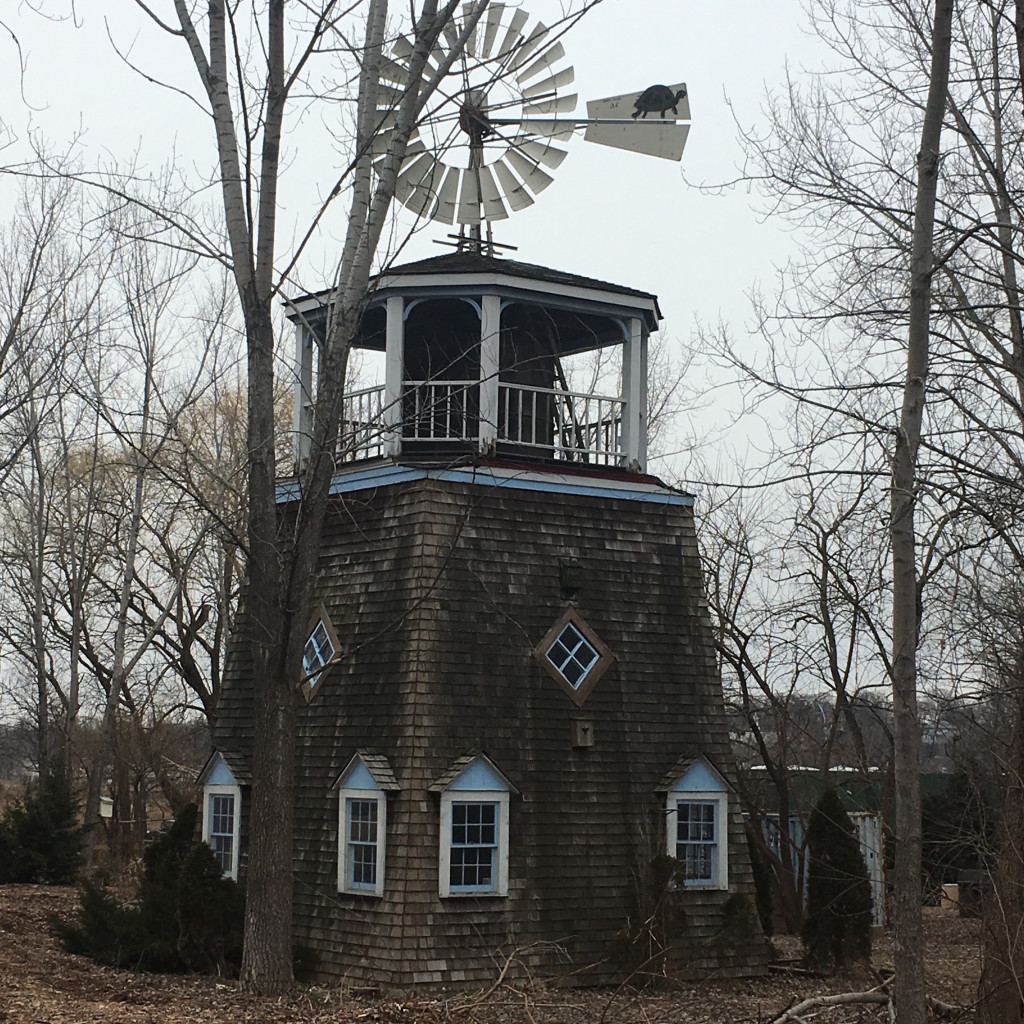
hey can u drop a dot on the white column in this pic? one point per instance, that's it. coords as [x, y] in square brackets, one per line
[490, 355]
[634, 388]
[644, 383]
[302, 399]
[394, 368]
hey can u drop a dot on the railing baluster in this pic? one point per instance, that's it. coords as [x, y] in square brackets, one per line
[440, 411]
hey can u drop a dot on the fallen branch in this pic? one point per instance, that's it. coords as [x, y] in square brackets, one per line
[876, 996]
[792, 1015]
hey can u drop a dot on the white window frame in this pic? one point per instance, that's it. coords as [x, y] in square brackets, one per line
[673, 798]
[234, 791]
[313, 671]
[572, 654]
[312, 674]
[500, 871]
[345, 883]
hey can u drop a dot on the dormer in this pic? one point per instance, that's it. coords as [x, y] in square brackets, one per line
[474, 363]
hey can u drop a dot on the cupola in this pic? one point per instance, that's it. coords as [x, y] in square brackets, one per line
[474, 350]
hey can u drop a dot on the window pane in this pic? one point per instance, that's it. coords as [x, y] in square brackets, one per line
[221, 809]
[362, 843]
[696, 846]
[573, 655]
[473, 849]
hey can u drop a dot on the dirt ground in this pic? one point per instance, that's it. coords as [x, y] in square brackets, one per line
[41, 984]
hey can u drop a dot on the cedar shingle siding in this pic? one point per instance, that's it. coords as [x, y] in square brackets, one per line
[439, 593]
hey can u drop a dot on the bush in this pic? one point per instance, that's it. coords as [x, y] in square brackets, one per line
[210, 914]
[837, 928]
[40, 839]
[187, 916]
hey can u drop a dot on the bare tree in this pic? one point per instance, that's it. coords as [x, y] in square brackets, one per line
[908, 939]
[252, 68]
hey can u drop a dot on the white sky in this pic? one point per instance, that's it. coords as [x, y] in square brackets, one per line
[613, 215]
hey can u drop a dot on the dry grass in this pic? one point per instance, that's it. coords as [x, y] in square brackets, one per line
[41, 984]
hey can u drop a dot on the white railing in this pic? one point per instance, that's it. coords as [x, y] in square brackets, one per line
[566, 425]
[440, 410]
[361, 434]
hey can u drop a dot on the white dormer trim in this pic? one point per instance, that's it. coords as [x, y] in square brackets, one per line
[474, 831]
[700, 845]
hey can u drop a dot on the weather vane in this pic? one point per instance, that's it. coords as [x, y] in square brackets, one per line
[485, 148]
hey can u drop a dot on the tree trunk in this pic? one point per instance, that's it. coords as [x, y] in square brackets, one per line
[908, 940]
[1001, 988]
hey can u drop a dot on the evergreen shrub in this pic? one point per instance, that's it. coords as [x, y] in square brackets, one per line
[186, 916]
[40, 838]
[837, 928]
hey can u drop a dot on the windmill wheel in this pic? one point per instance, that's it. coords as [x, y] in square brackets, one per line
[483, 146]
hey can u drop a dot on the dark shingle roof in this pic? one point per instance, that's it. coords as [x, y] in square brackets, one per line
[682, 766]
[474, 263]
[378, 767]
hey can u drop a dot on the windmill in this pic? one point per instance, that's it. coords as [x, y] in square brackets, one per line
[488, 144]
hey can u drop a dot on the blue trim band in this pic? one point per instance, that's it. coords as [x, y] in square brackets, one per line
[549, 482]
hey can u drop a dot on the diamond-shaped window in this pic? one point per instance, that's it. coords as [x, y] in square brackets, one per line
[320, 650]
[573, 656]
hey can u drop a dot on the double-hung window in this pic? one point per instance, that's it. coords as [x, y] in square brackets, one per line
[474, 832]
[697, 826]
[697, 840]
[222, 807]
[474, 846]
[362, 824]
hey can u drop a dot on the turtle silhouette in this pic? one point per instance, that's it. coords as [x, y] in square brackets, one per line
[658, 97]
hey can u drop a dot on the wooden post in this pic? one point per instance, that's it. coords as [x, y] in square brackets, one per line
[490, 355]
[302, 403]
[644, 347]
[634, 395]
[394, 370]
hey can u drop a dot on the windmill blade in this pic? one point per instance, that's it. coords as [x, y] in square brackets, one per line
[551, 56]
[416, 186]
[554, 105]
[437, 56]
[469, 199]
[513, 35]
[383, 141]
[542, 152]
[389, 95]
[494, 208]
[535, 179]
[545, 129]
[652, 138]
[444, 211]
[533, 41]
[450, 34]
[402, 48]
[550, 84]
[515, 192]
[414, 150]
[390, 71]
[467, 7]
[386, 119]
[621, 107]
[494, 15]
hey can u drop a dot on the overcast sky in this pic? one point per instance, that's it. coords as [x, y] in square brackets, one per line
[610, 214]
